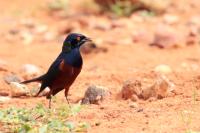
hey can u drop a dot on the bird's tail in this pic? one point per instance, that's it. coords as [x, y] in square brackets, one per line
[38, 79]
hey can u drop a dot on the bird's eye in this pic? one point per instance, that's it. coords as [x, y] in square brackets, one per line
[78, 38]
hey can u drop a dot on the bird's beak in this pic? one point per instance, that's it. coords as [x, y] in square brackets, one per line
[87, 39]
[84, 41]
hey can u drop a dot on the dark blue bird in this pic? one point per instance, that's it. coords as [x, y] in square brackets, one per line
[64, 69]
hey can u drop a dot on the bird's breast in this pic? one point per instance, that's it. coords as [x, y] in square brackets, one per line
[66, 76]
[73, 58]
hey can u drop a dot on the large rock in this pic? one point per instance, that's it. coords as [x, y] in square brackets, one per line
[160, 89]
[168, 37]
[131, 90]
[17, 90]
[95, 94]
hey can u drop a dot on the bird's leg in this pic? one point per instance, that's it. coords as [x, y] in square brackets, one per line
[50, 102]
[66, 93]
[49, 96]
[67, 100]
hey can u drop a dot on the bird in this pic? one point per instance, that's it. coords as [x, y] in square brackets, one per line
[65, 69]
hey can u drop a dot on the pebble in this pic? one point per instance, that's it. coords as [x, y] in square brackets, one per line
[171, 18]
[27, 37]
[4, 99]
[39, 29]
[161, 88]
[18, 90]
[168, 37]
[131, 90]
[11, 78]
[163, 69]
[133, 105]
[30, 71]
[94, 94]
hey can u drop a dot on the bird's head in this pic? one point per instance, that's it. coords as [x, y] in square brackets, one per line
[74, 40]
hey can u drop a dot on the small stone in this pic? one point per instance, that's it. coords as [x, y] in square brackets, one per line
[190, 66]
[11, 78]
[163, 69]
[168, 37]
[148, 92]
[133, 105]
[3, 65]
[134, 98]
[13, 31]
[4, 99]
[140, 110]
[170, 18]
[4, 93]
[194, 20]
[40, 29]
[160, 89]
[27, 22]
[131, 90]
[27, 37]
[29, 71]
[49, 36]
[103, 27]
[95, 94]
[18, 90]
[142, 36]
[97, 123]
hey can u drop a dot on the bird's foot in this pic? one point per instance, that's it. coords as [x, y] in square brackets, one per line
[49, 101]
[68, 103]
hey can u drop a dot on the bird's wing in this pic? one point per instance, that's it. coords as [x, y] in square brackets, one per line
[57, 67]
[53, 73]
[54, 70]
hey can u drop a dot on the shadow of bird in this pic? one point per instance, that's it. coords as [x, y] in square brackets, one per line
[65, 69]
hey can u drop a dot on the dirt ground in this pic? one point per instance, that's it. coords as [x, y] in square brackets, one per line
[178, 113]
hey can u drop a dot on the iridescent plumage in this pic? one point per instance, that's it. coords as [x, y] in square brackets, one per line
[64, 69]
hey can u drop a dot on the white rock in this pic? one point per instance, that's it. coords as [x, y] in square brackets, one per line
[18, 89]
[40, 29]
[134, 105]
[163, 69]
[4, 99]
[29, 70]
[27, 37]
[170, 18]
[49, 36]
